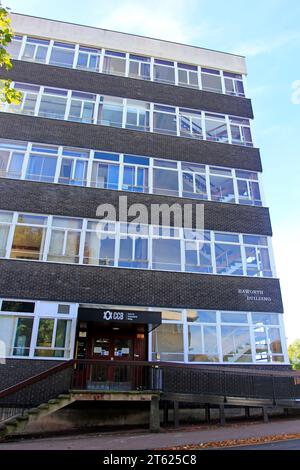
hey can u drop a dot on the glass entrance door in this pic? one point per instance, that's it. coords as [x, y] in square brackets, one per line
[113, 375]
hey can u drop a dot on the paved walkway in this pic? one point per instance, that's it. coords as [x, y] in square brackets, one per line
[133, 440]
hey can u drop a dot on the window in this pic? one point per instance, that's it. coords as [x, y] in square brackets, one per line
[188, 75]
[53, 103]
[193, 181]
[257, 257]
[73, 167]
[133, 252]
[228, 255]
[190, 124]
[5, 223]
[63, 309]
[35, 50]
[62, 54]
[248, 188]
[53, 338]
[164, 120]
[202, 343]
[236, 345]
[197, 253]
[201, 316]
[167, 343]
[28, 102]
[114, 63]
[99, 247]
[137, 115]
[230, 317]
[110, 111]
[42, 166]
[166, 251]
[211, 80]
[105, 173]
[136, 174]
[14, 47]
[15, 306]
[268, 345]
[221, 185]
[11, 158]
[88, 59]
[234, 84]
[15, 334]
[216, 128]
[165, 180]
[65, 240]
[139, 67]
[240, 131]
[164, 71]
[82, 107]
[29, 237]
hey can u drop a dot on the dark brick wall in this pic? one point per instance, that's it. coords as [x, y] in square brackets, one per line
[74, 201]
[118, 286]
[16, 370]
[92, 82]
[13, 126]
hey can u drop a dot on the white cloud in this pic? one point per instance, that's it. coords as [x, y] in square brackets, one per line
[267, 45]
[287, 258]
[159, 19]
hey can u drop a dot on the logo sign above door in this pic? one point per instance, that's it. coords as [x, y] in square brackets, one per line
[119, 316]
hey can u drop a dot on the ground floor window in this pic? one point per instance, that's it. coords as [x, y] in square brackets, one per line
[26, 331]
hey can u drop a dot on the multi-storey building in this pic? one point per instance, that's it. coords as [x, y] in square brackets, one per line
[106, 114]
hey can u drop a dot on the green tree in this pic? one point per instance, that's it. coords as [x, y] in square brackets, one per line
[7, 94]
[294, 354]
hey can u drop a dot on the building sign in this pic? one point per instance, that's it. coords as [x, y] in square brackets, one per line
[256, 295]
[119, 316]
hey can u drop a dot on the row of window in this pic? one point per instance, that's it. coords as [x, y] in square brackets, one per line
[125, 65]
[213, 336]
[41, 329]
[63, 165]
[78, 106]
[102, 243]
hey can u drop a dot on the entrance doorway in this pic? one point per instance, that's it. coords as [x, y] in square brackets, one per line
[109, 353]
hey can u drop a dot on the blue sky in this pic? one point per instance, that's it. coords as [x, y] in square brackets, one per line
[267, 32]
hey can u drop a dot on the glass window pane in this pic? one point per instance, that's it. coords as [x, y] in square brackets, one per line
[228, 259]
[62, 57]
[216, 130]
[105, 175]
[166, 254]
[45, 332]
[99, 249]
[221, 189]
[28, 243]
[236, 345]
[234, 317]
[167, 342]
[41, 168]
[201, 316]
[165, 182]
[52, 107]
[164, 74]
[12, 306]
[265, 318]
[202, 344]
[111, 112]
[275, 340]
[62, 338]
[7, 329]
[211, 83]
[114, 65]
[23, 337]
[198, 257]
[165, 123]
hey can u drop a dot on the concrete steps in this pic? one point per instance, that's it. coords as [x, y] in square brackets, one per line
[18, 423]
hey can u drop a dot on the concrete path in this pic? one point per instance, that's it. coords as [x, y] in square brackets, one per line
[133, 440]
